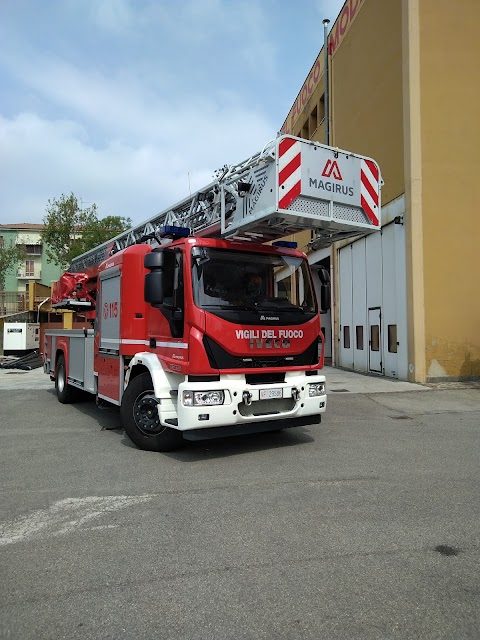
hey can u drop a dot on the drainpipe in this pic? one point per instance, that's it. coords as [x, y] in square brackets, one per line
[326, 98]
[332, 307]
[326, 102]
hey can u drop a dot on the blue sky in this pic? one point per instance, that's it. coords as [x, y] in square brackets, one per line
[129, 103]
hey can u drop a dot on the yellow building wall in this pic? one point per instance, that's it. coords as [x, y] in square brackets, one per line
[450, 121]
[366, 113]
[366, 91]
[412, 102]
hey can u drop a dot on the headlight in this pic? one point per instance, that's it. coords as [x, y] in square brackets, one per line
[316, 389]
[203, 398]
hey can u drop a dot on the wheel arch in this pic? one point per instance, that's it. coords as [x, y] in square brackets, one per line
[61, 350]
[146, 362]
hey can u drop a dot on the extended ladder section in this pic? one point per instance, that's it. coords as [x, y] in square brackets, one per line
[289, 186]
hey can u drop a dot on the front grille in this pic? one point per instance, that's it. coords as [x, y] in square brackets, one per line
[260, 362]
[264, 378]
[267, 407]
[219, 358]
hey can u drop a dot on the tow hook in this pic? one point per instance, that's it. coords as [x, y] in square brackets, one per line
[295, 394]
[247, 398]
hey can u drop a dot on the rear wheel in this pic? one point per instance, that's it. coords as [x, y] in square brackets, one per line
[140, 417]
[66, 394]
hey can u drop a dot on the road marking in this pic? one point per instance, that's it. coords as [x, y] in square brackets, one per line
[65, 516]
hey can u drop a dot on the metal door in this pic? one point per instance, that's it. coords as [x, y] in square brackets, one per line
[375, 349]
[346, 310]
[390, 301]
[359, 306]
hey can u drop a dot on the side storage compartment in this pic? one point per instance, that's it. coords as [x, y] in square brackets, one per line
[80, 370]
[68, 358]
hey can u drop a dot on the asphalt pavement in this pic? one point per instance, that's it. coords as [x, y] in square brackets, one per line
[338, 381]
[364, 527]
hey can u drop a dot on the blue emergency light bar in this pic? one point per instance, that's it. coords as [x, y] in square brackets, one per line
[170, 231]
[285, 243]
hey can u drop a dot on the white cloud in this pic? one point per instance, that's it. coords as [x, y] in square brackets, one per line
[43, 159]
[125, 102]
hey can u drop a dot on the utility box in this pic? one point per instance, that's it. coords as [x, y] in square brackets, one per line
[20, 338]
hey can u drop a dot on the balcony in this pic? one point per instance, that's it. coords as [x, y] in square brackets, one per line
[35, 274]
[33, 249]
[13, 302]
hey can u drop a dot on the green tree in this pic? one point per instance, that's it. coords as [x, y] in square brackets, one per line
[9, 258]
[100, 231]
[70, 230]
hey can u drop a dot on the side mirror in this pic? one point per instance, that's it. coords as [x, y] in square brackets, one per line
[324, 298]
[153, 290]
[153, 260]
[325, 293]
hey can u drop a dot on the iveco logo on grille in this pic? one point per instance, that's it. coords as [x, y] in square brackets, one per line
[270, 343]
[269, 318]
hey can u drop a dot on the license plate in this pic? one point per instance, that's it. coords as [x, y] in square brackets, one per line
[268, 394]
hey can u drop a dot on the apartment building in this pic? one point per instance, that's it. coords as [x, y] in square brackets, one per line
[33, 268]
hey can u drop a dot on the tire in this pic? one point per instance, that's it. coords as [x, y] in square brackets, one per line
[140, 419]
[66, 394]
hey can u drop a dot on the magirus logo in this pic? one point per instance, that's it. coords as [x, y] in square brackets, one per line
[269, 318]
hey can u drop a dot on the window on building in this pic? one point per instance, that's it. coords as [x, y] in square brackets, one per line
[305, 132]
[359, 337]
[392, 338]
[321, 109]
[346, 337]
[375, 337]
[313, 121]
[34, 249]
[29, 268]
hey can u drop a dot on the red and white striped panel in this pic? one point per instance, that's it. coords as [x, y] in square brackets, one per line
[289, 171]
[369, 191]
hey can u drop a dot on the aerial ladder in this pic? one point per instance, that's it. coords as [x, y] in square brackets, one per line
[290, 185]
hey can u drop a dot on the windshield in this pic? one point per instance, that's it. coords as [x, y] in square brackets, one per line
[237, 280]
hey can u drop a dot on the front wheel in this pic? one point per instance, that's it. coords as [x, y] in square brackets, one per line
[140, 419]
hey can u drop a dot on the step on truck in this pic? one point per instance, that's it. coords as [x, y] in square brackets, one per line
[202, 322]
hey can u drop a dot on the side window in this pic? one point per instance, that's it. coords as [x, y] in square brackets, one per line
[168, 277]
[173, 279]
[178, 280]
[346, 337]
[172, 307]
[392, 338]
[359, 336]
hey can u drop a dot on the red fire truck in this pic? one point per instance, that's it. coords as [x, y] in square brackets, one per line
[204, 322]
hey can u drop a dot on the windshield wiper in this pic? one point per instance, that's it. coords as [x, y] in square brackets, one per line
[280, 307]
[228, 307]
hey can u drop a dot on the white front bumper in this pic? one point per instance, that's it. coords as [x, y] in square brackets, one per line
[230, 413]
